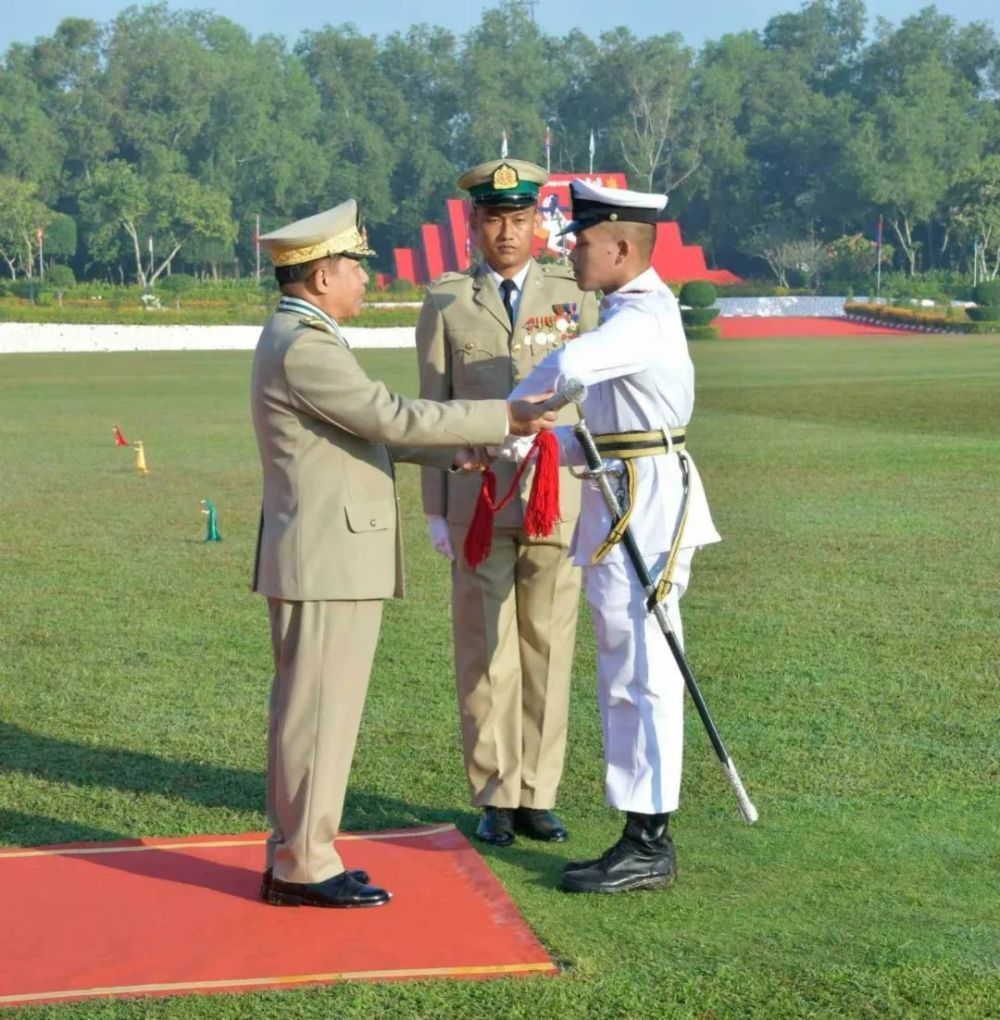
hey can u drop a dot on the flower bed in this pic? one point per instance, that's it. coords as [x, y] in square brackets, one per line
[922, 320]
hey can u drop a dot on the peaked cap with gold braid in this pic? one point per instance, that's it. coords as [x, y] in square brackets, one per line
[504, 182]
[338, 231]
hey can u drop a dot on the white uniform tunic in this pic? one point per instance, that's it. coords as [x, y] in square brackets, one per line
[639, 378]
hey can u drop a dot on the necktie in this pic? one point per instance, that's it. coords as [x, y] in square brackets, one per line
[507, 288]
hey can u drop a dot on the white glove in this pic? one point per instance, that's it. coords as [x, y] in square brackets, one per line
[514, 449]
[440, 535]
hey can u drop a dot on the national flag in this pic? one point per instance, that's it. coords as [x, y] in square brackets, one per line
[503, 145]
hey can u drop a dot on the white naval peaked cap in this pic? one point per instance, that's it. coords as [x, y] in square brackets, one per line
[337, 231]
[593, 203]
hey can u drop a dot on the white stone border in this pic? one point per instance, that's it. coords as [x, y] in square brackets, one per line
[51, 338]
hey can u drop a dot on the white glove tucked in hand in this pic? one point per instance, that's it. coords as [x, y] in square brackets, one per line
[515, 449]
[440, 535]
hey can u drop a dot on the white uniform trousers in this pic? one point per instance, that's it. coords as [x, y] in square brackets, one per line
[640, 687]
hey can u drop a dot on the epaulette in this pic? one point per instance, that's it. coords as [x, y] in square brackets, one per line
[559, 270]
[315, 322]
[450, 277]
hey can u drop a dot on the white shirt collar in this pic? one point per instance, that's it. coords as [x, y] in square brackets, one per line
[300, 306]
[648, 280]
[518, 279]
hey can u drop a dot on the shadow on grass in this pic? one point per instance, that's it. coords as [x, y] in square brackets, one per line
[26, 830]
[212, 786]
[62, 761]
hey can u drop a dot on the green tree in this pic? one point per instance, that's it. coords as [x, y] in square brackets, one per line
[22, 217]
[911, 145]
[822, 40]
[61, 237]
[67, 69]
[30, 146]
[974, 201]
[511, 83]
[656, 131]
[155, 215]
[422, 63]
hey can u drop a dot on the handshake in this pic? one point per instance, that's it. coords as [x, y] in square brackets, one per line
[531, 414]
[525, 417]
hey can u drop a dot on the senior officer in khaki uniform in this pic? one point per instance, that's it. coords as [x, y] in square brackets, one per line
[513, 616]
[329, 551]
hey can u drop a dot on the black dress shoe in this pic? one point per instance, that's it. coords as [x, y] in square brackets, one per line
[643, 858]
[496, 826]
[343, 890]
[265, 883]
[538, 823]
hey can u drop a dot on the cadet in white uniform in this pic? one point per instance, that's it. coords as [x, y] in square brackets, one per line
[640, 396]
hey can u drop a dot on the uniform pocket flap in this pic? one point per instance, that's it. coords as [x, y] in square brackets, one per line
[371, 515]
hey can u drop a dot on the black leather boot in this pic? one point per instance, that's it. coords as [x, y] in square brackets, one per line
[643, 858]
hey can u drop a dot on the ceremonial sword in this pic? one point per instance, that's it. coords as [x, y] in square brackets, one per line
[574, 392]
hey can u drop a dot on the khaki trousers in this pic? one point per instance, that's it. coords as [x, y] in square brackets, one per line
[514, 630]
[323, 654]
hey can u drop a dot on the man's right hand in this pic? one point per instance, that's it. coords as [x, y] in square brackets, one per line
[526, 418]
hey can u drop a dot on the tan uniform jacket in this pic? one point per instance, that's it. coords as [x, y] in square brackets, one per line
[467, 349]
[329, 520]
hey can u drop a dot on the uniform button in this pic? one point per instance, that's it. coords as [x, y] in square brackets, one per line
[468, 347]
[373, 522]
[515, 348]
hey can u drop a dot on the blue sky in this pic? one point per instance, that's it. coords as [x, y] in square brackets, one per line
[24, 21]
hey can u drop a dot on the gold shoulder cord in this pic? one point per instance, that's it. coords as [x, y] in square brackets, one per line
[665, 583]
[618, 528]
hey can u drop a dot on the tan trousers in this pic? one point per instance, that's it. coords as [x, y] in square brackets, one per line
[323, 654]
[514, 630]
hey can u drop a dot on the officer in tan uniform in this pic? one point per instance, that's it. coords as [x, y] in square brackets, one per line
[513, 616]
[328, 551]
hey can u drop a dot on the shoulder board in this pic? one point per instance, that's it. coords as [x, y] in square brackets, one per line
[450, 277]
[314, 322]
[558, 270]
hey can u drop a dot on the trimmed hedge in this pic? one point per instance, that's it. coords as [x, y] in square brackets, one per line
[698, 294]
[983, 313]
[702, 332]
[698, 316]
[987, 293]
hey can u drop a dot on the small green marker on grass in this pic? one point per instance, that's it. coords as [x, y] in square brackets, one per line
[208, 508]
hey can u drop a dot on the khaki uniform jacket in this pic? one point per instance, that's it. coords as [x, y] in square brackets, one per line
[466, 348]
[329, 520]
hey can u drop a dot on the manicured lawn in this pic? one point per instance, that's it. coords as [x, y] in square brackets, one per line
[845, 634]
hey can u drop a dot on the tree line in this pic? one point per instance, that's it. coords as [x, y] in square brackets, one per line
[154, 141]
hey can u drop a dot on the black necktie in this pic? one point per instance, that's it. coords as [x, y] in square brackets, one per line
[507, 288]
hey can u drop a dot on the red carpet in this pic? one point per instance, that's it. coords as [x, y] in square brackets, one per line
[759, 327]
[182, 916]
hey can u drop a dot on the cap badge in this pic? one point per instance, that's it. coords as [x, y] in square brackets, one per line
[505, 177]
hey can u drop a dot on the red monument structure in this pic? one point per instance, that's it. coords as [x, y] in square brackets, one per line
[447, 247]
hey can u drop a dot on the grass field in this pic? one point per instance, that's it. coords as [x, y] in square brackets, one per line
[845, 634]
